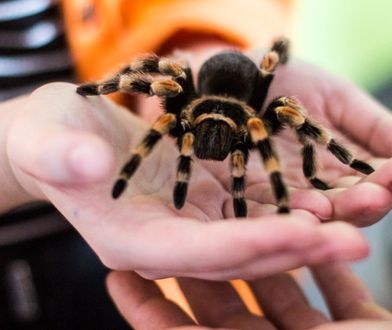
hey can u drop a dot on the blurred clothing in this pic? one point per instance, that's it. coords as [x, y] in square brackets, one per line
[33, 49]
[55, 282]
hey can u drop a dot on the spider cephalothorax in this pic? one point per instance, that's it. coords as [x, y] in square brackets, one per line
[223, 116]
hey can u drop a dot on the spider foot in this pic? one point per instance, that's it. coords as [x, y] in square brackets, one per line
[281, 46]
[179, 194]
[106, 87]
[118, 188]
[240, 207]
[319, 184]
[361, 166]
[87, 89]
[283, 210]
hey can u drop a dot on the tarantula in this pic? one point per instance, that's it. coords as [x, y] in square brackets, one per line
[223, 116]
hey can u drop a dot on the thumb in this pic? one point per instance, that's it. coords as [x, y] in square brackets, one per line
[54, 139]
[58, 155]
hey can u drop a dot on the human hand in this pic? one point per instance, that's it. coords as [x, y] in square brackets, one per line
[64, 148]
[218, 305]
[354, 118]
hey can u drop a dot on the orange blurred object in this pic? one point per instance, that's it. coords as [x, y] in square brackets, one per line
[105, 34]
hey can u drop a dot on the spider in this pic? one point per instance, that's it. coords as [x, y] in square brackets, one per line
[223, 116]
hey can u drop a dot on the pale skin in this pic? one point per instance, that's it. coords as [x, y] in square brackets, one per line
[216, 305]
[67, 149]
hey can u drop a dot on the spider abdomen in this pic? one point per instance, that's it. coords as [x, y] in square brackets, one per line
[228, 74]
[213, 139]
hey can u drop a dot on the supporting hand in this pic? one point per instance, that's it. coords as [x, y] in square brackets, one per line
[217, 304]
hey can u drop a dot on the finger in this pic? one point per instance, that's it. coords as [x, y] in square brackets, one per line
[217, 304]
[284, 303]
[60, 156]
[263, 210]
[368, 200]
[265, 266]
[363, 203]
[313, 201]
[213, 246]
[305, 199]
[339, 241]
[56, 138]
[142, 304]
[276, 263]
[347, 297]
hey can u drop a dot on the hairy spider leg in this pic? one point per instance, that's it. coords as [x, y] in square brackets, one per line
[309, 155]
[233, 114]
[289, 111]
[136, 78]
[161, 127]
[238, 160]
[133, 82]
[183, 169]
[186, 139]
[152, 63]
[167, 123]
[178, 103]
[277, 54]
[262, 142]
[309, 164]
[282, 47]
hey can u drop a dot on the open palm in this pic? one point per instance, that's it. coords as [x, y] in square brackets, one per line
[67, 149]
